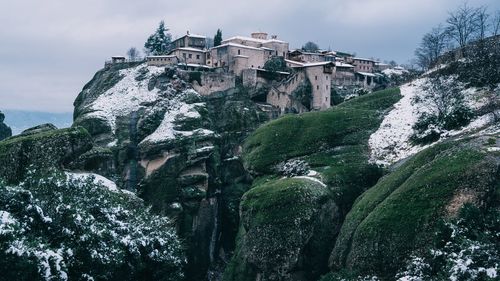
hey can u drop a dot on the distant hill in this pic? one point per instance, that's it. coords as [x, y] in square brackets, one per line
[20, 120]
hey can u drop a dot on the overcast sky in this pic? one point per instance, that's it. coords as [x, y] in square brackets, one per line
[49, 49]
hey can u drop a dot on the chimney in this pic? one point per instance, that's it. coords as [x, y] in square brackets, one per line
[188, 32]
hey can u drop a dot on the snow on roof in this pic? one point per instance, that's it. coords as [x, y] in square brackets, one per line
[381, 63]
[164, 56]
[308, 64]
[265, 70]
[268, 49]
[364, 59]
[191, 35]
[237, 45]
[244, 38]
[341, 64]
[193, 65]
[190, 49]
[366, 74]
[294, 62]
[241, 56]
[197, 36]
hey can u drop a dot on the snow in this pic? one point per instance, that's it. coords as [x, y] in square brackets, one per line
[393, 71]
[391, 142]
[312, 173]
[311, 179]
[97, 179]
[126, 96]
[6, 222]
[178, 111]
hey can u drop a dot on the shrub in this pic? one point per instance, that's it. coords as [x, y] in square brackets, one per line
[303, 93]
[55, 227]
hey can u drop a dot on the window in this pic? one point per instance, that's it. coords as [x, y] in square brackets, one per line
[184, 55]
[197, 57]
[190, 56]
[317, 87]
[326, 77]
[239, 52]
[316, 77]
[327, 87]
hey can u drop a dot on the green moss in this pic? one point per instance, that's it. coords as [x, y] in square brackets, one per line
[43, 150]
[299, 135]
[398, 215]
[277, 201]
[279, 219]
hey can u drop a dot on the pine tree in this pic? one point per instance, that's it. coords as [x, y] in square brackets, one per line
[218, 38]
[159, 42]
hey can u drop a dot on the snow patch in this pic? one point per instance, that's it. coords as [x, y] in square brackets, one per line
[311, 179]
[127, 95]
[97, 179]
[391, 142]
[178, 111]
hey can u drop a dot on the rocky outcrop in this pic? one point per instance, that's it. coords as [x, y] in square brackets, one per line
[154, 135]
[38, 129]
[282, 234]
[400, 215]
[43, 150]
[288, 226]
[5, 131]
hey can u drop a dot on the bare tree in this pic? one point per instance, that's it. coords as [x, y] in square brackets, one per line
[496, 24]
[462, 24]
[133, 53]
[431, 47]
[482, 22]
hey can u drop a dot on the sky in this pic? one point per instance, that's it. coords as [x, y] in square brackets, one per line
[49, 49]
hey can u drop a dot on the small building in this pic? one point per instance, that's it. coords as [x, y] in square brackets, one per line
[343, 75]
[363, 65]
[118, 59]
[303, 56]
[161, 60]
[260, 40]
[234, 58]
[190, 55]
[379, 66]
[366, 79]
[320, 75]
[190, 41]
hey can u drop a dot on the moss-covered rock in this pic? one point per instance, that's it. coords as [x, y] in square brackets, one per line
[282, 233]
[399, 215]
[334, 144]
[5, 130]
[53, 148]
[38, 129]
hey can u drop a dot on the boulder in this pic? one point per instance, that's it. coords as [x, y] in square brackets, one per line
[5, 130]
[43, 150]
[38, 129]
[282, 232]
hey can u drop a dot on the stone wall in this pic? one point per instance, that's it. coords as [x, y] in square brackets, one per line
[214, 82]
